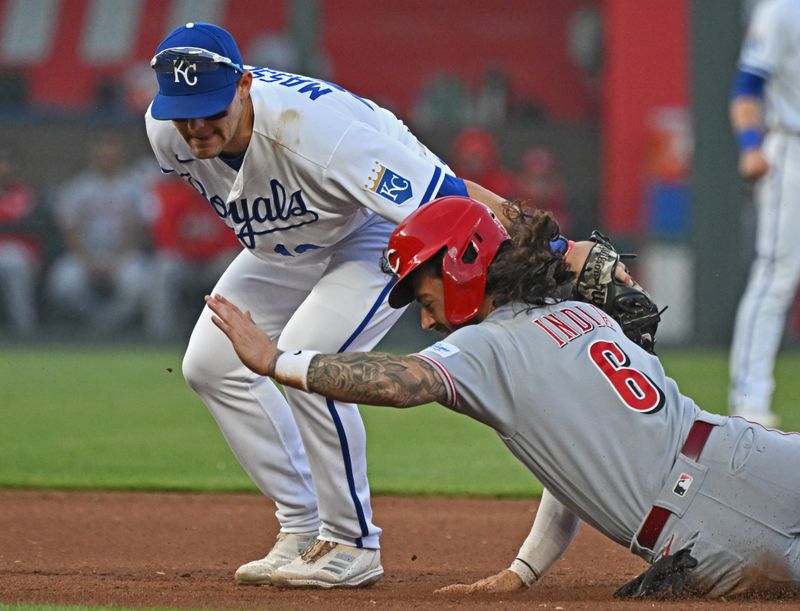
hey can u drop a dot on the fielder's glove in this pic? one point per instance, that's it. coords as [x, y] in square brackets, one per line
[665, 578]
[630, 306]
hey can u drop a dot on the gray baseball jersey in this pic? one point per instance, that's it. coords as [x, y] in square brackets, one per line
[574, 400]
[599, 423]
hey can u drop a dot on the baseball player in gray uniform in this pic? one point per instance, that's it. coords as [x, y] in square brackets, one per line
[765, 113]
[706, 499]
[312, 179]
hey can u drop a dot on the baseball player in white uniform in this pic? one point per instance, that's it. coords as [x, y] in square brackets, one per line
[706, 499]
[765, 113]
[312, 179]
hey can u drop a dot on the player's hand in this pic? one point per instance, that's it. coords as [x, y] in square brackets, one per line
[252, 345]
[752, 164]
[504, 581]
[580, 251]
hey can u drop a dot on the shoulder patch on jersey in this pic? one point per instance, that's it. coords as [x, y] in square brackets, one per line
[444, 349]
[388, 184]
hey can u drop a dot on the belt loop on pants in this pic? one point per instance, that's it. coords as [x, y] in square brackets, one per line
[658, 516]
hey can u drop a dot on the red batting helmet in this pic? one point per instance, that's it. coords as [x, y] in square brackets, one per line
[469, 231]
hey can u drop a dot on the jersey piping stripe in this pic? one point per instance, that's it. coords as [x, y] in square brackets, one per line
[369, 315]
[348, 468]
[433, 186]
[348, 465]
[769, 277]
[784, 433]
[452, 395]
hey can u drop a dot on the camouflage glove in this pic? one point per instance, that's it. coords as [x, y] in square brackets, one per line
[630, 306]
[664, 579]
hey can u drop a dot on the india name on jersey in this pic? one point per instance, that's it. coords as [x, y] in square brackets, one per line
[320, 163]
[772, 50]
[574, 400]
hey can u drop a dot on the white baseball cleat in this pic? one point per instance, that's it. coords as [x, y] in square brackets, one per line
[288, 547]
[331, 565]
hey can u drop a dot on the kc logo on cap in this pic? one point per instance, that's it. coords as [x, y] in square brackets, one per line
[198, 66]
[181, 68]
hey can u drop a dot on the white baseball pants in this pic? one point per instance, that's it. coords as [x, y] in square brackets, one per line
[773, 279]
[307, 455]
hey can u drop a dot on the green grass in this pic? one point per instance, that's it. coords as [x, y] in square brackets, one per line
[97, 417]
[108, 418]
[118, 418]
[703, 376]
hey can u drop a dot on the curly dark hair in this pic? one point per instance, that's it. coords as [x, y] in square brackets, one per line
[526, 270]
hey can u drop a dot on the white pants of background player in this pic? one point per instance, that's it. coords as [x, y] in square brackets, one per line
[773, 280]
[19, 270]
[173, 278]
[72, 291]
[334, 305]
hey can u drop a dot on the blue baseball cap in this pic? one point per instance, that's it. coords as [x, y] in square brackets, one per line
[197, 67]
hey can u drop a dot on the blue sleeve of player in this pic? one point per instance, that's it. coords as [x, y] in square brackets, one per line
[452, 185]
[749, 84]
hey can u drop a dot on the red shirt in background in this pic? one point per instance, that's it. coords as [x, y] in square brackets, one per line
[186, 224]
[476, 157]
[541, 186]
[17, 217]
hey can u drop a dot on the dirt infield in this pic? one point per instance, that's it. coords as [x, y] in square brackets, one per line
[180, 550]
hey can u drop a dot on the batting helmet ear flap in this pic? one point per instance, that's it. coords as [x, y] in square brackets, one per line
[464, 275]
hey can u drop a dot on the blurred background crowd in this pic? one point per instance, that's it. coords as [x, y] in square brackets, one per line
[582, 107]
[120, 247]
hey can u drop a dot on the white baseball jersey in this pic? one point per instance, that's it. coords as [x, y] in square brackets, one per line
[772, 51]
[321, 160]
[323, 172]
[601, 425]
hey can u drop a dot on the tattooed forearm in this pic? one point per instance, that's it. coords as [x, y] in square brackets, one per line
[376, 378]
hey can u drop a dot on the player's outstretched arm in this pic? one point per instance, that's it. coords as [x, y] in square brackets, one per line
[578, 253]
[253, 347]
[488, 198]
[504, 581]
[553, 530]
[374, 378]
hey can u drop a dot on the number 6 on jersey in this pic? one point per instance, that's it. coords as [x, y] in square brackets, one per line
[637, 391]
